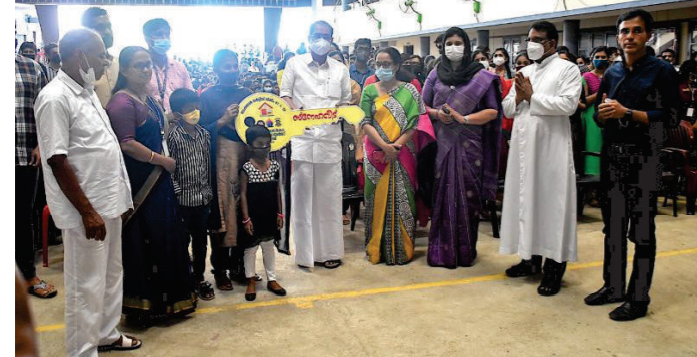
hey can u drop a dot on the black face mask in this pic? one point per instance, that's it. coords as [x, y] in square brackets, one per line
[56, 58]
[260, 153]
[32, 56]
[229, 77]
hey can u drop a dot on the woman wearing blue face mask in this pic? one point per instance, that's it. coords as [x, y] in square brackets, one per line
[393, 109]
[591, 83]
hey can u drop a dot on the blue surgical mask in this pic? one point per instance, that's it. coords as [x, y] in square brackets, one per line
[384, 74]
[161, 46]
[600, 63]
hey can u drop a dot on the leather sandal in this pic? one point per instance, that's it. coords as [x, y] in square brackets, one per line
[42, 290]
[124, 343]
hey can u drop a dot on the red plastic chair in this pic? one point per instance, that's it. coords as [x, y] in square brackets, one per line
[44, 233]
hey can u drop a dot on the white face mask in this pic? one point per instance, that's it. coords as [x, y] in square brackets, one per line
[485, 63]
[535, 51]
[88, 77]
[499, 61]
[455, 53]
[320, 47]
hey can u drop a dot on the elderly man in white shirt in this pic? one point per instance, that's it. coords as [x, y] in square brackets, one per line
[312, 81]
[87, 190]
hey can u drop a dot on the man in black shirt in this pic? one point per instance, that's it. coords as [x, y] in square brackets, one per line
[636, 102]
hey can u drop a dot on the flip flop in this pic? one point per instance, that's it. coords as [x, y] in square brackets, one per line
[126, 344]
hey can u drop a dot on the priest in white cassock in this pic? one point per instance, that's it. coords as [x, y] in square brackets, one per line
[539, 203]
[312, 81]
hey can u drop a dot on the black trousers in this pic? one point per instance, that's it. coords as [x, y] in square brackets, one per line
[25, 182]
[629, 212]
[196, 222]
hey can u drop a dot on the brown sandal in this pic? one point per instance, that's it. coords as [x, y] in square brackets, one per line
[222, 282]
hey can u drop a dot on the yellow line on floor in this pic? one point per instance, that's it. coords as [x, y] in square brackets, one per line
[307, 301]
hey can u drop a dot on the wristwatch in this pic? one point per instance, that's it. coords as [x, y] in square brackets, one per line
[628, 114]
[467, 119]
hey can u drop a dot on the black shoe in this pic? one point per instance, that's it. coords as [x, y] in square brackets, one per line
[524, 268]
[629, 311]
[551, 281]
[279, 292]
[602, 297]
[250, 296]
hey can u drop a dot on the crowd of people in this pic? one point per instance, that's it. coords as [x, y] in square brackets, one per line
[140, 162]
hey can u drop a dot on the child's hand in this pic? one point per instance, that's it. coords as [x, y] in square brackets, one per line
[279, 222]
[249, 228]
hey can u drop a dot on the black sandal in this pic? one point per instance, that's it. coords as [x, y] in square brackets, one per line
[205, 291]
[124, 343]
[332, 264]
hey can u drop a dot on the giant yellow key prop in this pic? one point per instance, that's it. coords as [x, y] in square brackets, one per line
[274, 113]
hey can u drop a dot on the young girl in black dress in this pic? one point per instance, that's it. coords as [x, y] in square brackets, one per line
[261, 209]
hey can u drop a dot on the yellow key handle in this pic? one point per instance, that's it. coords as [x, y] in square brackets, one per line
[274, 113]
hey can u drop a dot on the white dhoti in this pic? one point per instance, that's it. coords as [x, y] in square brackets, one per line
[316, 212]
[93, 289]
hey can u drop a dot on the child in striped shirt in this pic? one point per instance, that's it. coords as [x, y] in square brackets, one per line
[190, 144]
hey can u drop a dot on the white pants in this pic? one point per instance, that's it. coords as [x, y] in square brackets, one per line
[268, 253]
[316, 212]
[93, 289]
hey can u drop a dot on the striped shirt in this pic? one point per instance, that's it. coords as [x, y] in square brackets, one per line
[29, 80]
[51, 73]
[192, 177]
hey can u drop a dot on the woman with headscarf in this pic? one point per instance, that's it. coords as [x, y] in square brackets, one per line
[464, 100]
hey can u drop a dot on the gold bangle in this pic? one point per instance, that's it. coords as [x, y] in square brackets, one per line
[152, 155]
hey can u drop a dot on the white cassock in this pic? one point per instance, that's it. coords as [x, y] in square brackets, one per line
[316, 180]
[539, 202]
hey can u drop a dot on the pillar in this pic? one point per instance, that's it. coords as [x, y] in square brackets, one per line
[570, 35]
[425, 45]
[483, 38]
[272, 23]
[684, 41]
[48, 20]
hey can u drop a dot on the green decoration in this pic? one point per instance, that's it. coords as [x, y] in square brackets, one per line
[419, 18]
[477, 6]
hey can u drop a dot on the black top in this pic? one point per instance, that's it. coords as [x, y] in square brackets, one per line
[650, 86]
[214, 102]
[262, 202]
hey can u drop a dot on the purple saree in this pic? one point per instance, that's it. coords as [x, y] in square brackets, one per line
[465, 169]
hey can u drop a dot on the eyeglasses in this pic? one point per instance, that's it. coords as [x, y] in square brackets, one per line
[384, 64]
[317, 36]
[261, 148]
[536, 39]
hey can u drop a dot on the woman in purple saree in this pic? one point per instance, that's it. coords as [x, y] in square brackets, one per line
[465, 103]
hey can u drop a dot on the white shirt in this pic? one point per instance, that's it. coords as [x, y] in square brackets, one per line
[314, 86]
[70, 121]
